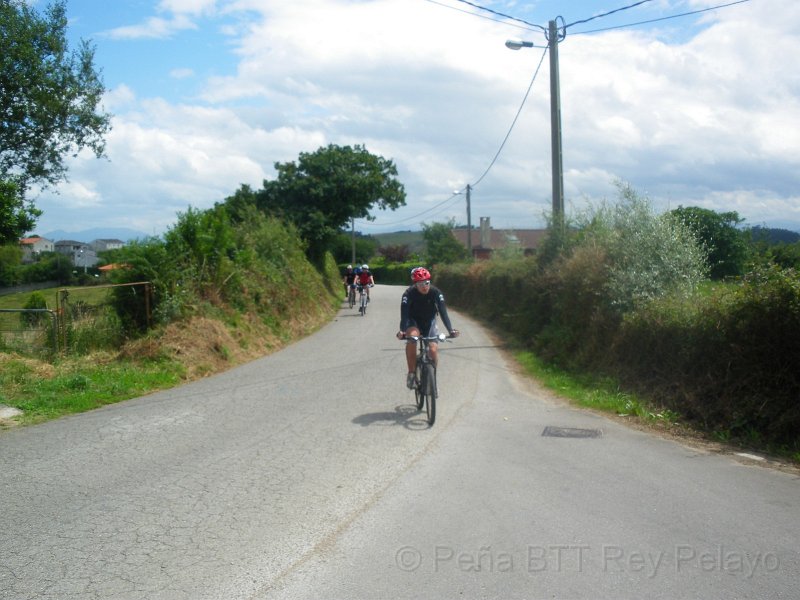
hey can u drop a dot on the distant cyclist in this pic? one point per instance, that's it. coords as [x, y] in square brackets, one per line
[365, 279]
[348, 279]
[418, 309]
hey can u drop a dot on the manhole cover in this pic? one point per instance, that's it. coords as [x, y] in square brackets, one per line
[571, 432]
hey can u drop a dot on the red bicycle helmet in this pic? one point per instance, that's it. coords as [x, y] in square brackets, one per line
[420, 274]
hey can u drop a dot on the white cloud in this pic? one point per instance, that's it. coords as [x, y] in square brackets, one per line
[153, 28]
[706, 118]
[183, 73]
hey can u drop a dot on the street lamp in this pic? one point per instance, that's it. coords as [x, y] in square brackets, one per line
[517, 44]
[553, 37]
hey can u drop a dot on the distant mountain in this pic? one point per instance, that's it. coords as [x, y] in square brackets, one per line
[98, 233]
[773, 235]
[412, 239]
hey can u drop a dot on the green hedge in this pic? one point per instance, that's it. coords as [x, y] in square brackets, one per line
[727, 360]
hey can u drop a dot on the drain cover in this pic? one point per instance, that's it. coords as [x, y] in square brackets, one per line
[571, 432]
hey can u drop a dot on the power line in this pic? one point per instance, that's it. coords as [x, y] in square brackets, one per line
[514, 122]
[530, 86]
[418, 215]
[611, 12]
[686, 14]
[496, 156]
[499, 14]
[488, 18]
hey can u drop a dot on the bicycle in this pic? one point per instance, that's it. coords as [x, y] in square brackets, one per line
[425, 388]
[363, 299]
[351, 297]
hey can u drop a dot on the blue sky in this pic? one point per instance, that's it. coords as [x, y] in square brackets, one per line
[700, 110]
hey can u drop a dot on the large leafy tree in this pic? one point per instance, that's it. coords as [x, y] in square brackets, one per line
[49, 98]
[727, 246]
[323, 190]
[441, 246]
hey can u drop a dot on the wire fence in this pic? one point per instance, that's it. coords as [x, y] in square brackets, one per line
[80, 319]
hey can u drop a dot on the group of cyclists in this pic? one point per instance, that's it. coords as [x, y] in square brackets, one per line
[420, 304]
[360, 277]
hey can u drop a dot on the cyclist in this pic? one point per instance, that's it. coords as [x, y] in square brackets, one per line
[365, 279]
[348, 279]
[419, 306]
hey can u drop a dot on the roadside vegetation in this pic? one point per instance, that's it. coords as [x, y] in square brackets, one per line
[224, 285]
[223, 295]
[619, 302]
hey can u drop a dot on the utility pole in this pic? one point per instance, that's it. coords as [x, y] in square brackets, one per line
[352, 240]
[555, 126]
[469, 223]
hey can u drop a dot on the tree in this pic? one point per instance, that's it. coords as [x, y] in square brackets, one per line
[239, 205]
[16, 216]
[441, 245]
[325, 189]
[10, 261]
[398, 253]
[341, 247]
[49, 101]
[726, 245]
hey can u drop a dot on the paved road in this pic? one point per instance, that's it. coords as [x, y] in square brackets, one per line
[308, 474]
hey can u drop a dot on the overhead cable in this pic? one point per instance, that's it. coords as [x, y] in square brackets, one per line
[611, 12]
[686, 14]
[526, 27]
[499, 14]
[514, 122]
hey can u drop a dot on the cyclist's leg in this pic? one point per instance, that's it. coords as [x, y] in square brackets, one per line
[411, 347]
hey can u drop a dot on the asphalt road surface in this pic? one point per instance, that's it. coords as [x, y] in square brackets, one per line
[309, 474]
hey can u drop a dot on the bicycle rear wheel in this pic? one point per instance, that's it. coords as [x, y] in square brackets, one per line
[429, 385]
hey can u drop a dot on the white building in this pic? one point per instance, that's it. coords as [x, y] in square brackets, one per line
[34, 246]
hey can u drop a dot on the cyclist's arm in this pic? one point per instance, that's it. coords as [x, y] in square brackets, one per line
[442, 308]
[404, 312]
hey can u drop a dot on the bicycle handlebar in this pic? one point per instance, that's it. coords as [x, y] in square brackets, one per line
[436, 338]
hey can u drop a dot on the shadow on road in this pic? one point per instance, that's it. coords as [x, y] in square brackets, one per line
[406, 415]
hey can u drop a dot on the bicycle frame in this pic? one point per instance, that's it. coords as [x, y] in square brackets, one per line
[426, 390]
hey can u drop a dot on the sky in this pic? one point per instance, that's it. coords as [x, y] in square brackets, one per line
[207, 95]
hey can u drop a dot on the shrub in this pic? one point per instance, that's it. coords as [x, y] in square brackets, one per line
[647, 256]
[35, 301]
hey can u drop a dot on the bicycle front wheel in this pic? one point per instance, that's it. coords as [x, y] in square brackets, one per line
[352, 298]
[429, 384]
[419, 392]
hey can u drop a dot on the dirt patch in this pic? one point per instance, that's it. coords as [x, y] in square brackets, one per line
[38, 368]
[205, 346]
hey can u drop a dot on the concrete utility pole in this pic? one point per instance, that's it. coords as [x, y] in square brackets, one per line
[555, 124]
[469, 223]
[353, 240]
[553, 38]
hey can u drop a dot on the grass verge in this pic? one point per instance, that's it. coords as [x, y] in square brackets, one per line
[602, 394]
[44, 391]
[605, 395]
